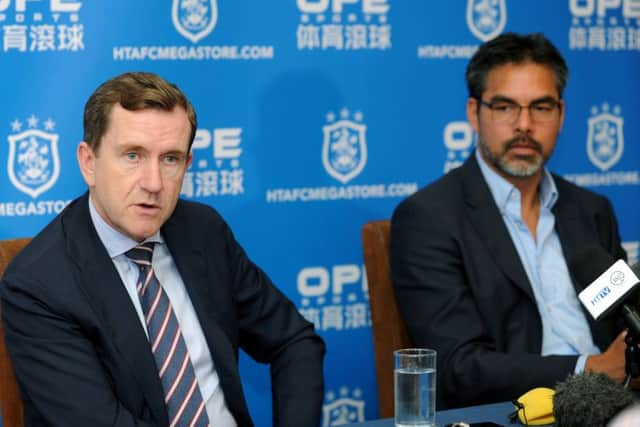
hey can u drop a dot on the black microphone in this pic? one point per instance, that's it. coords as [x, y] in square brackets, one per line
[607, 285]
[588, 399]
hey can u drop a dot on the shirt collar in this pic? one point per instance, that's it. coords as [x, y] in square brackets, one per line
[503, 191]
[114, 241]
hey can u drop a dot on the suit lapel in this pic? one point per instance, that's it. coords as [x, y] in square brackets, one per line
[112, 305]
[191, 264]
[575, 235]
[488, 223]
[569, 227]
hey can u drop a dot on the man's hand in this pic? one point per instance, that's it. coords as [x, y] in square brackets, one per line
[612, 361]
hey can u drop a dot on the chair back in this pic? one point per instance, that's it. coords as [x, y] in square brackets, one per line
[10, 401]
[388, 327]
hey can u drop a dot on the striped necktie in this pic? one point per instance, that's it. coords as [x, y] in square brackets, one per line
[185, 405]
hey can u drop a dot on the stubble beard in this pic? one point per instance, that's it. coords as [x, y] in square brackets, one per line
[521, 166]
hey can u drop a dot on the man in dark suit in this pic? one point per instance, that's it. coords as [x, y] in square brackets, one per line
[480, 257]
[128, 309]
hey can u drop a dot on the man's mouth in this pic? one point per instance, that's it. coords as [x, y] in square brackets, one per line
[147, 207]
[523, 145]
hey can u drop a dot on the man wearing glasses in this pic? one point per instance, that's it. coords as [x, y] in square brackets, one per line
[480, 257]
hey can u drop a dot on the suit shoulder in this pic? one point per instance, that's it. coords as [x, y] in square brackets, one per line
[443, 193]
[195, 220]
[583, 196]
[198, 211]
[43, 252]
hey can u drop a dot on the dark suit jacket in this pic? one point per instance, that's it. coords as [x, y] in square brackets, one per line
[463, 291]
[81, 355]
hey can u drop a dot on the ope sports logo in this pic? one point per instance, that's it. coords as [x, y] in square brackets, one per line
[194, 19]
[33, 164]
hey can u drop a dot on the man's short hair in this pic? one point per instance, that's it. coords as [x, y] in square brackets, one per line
[133, 92]
[512, 48]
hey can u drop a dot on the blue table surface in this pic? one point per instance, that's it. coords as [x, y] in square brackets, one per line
[496, 412]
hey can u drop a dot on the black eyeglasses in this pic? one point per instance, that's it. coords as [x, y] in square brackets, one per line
[504, 111]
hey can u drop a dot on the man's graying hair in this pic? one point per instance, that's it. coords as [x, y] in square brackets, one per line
[133, 92]
[512, 48]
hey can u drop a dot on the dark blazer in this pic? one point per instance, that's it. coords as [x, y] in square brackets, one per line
[81, 355]
[463, 291]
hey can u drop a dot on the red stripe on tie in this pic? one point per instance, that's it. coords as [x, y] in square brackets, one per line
[176, 418]
[178, 378]
[172, 349]
[163, 328]
[154, 305]
[197, 415]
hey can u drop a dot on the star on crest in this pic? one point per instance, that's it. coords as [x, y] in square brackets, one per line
[606, 108]
[331, 116]
[16, 125]
[49, 124]
[32, 121]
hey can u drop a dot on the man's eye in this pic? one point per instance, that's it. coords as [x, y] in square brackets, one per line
[132, 155]
[172, 160]
[502, 107]
[545, 107]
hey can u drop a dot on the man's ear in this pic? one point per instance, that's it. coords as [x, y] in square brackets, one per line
[87, 162]
[472, 113]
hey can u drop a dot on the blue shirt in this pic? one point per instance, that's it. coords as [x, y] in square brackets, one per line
[565, 330]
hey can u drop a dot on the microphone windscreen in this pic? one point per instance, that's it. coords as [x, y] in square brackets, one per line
[589, 399]
[588, 264]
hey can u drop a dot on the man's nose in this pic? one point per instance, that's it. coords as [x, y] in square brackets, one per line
[524, 119]
[151, 179]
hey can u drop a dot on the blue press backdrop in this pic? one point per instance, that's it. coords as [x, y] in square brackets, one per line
[315, 116]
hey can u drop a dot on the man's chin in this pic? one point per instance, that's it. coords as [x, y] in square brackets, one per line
[141, 233]
[521, 168]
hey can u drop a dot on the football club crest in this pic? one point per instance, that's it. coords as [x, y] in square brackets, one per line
[486, 18]
[34, 164]
[194, 19]
[344, 150]
[605, 140]
[342, 411]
